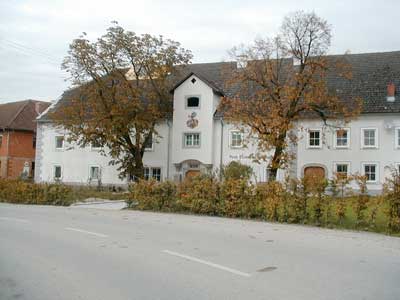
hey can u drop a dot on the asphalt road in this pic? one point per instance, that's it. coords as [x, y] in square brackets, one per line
[56, 253]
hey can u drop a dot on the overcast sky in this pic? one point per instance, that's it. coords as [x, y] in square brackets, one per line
[35, 34]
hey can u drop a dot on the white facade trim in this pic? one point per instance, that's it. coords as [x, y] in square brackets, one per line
[376, 138]
[56, 139]
[231, 132]
[397, 137]
[336, 163]
[372, 163]
[192, 107]
[348, 138]
[309, 146]
[54, 172]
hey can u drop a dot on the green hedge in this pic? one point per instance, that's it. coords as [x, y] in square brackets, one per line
[295, 201]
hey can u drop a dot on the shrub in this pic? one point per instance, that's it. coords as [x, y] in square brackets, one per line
[392, 196]
[237, 198]
[25, 192]
[361, 201]
[298, 195]
[271, 194]
[151, 195]
[237, 170]
[318, 187]
[200, 194]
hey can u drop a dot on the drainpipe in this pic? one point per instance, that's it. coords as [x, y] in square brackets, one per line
[8, 152]
[168, 150]
[221, 149]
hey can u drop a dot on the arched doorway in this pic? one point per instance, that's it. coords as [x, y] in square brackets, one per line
[315, 172]
[192, 173]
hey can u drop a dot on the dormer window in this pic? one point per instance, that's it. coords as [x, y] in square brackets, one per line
[193, 102]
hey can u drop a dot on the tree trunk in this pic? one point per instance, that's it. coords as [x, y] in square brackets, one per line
[138, 169]
[277, 158]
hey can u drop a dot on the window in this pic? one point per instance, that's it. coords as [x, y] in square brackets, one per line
[268, 174]
[314, 138]
[147, 173]
[236, 139]
[94, 173]
[369, 138]
[192, 140]
[192, 102]
[96, 145]
[397, 137]
[57, 172]
[149, 145]
[154, 173]
[342, 138]
[342, 170]
[370, 171]
[33, 169]
[59, 142]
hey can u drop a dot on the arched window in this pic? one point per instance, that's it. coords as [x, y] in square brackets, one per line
[193, 102]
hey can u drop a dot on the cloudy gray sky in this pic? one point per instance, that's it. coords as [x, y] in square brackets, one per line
[35, 34]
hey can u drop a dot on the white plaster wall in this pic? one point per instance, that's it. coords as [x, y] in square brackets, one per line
[386, 155]
[204, 115]
[243, 154]
[76, 161]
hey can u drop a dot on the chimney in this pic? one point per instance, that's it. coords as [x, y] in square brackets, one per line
[37, 108]
[391, 91]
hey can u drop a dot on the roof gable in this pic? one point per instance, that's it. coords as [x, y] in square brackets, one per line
[215, 89]
[21, 115]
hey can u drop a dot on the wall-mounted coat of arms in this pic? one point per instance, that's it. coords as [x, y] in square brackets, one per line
[192, 122]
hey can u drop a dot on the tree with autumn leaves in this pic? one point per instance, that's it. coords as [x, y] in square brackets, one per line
[121, 91]
[283, 79]
[122, 83]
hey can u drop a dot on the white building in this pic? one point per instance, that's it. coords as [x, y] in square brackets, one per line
[198, 139]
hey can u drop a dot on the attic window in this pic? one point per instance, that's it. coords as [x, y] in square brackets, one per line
[193, 80]
[193, 102]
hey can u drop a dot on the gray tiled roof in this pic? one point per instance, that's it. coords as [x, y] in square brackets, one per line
[371, 73]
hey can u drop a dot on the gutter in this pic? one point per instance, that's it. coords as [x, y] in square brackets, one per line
[221, 150]
[168, 149]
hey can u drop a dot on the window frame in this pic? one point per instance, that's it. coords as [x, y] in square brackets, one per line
[347, 163]
[376, 145]
[98, 173]
[185, 134]
[93, 148]
[192, 107]
[63, 142]
[235, 131]
[335, 139]
[146, 149]
[150, 173]
[309, 146]
[54, 172]
[397, 137]
[364, 164]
